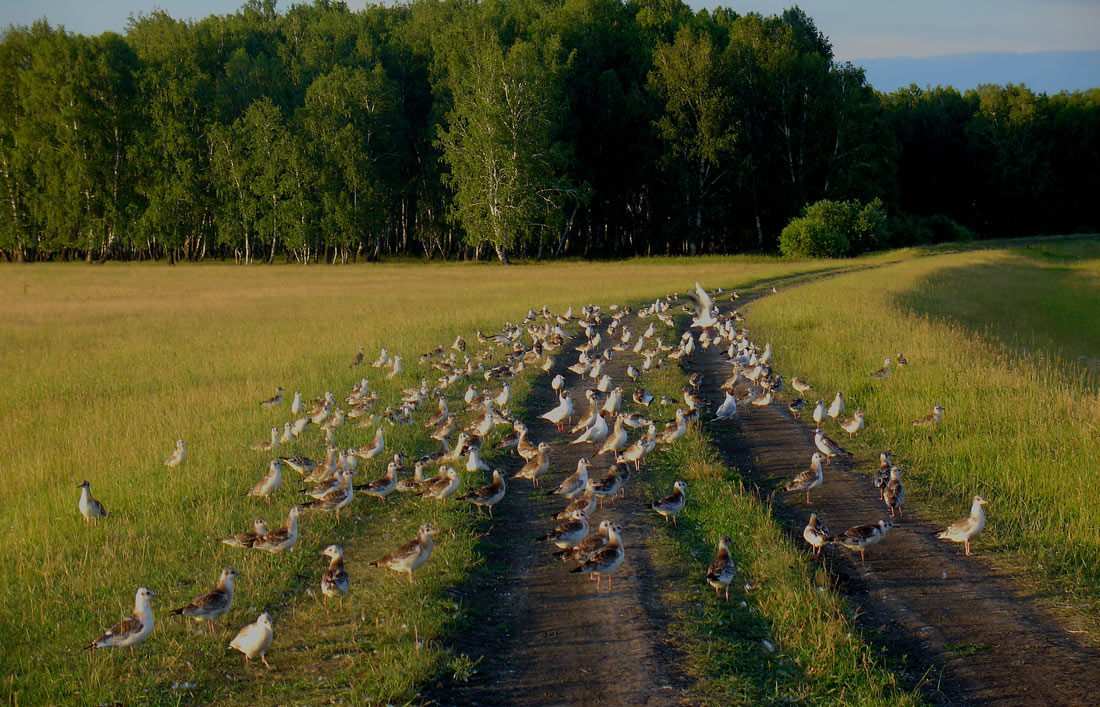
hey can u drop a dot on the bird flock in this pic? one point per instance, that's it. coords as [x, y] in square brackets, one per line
[618, 441]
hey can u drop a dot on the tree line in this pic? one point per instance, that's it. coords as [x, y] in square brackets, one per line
[531, 128]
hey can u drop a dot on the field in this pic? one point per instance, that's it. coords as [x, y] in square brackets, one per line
[107, 366]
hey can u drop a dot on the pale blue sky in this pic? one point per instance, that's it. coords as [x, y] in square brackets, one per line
[857, 28]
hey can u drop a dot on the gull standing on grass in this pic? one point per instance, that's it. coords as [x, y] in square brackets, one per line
[179, 454]
[965, 530]
[214, 604]
[254, 639]
[91, 509]
[133, 629]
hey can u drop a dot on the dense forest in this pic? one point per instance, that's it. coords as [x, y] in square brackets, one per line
[530, 128]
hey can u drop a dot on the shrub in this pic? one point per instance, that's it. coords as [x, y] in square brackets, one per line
[834, 229]
[944, 229]
[806, 237]
[908, 230]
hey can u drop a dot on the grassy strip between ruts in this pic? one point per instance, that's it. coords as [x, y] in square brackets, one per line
[785, 636]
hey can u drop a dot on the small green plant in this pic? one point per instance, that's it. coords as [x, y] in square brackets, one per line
[463, 667]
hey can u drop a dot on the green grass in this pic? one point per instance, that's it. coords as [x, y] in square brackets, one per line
[106, 366]
[991, 336]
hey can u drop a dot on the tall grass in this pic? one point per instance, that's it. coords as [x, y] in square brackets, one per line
[105, 367]
[1020, 428]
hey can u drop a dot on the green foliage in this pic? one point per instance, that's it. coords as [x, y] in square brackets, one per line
[611, 128]
[908, 230]
[835, 229]
[806, 238]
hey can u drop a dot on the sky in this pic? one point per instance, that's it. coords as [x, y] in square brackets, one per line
[858, 29]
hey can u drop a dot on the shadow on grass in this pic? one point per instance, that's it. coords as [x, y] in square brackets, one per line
[1040, 303]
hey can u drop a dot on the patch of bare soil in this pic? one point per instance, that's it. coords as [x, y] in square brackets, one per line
[546, 636]
[966, 632]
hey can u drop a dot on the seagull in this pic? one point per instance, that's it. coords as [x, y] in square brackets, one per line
[473, 461]
[382, 360]
[703, 316]
[296, 406]
[268, 444]
[585, 502]
[728, 409]
[616, 440]
[828, 447]
[300, 464]
[439, 416]
[837, 406]
[894, 493]
[863, 537]
[569, 533]
[288, 434]
[816, 535]
[283, 538]
[563, 412]
[443, 485]
[882, 474]
[558, 382]
[671, 505]
[90, 508]
[334, 582]
[381, 487]
[901, 360]
[966, 529]
[259, 529]
[575, 484]
[674, 430]
[819, 412]
[606, 561]
[358, 360]
[932, 419]
[796, 406]
[212, 605]
[882, 372]
[853, 424]
[270, 483]
[800, 385]
[608, 486]
[536, 466]
[809, 479]
[274, 401]
[722, 570]
[594, 434]
[133, 629]
[396, 367]
[178, 455]
[372, 450]
[415, 483]
[412, 555]
[587, 547]
[642, 397]
[254, 639]
[642, 446]
[504, 397]
[487, 496]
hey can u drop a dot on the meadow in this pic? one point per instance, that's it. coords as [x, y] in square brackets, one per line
[107, 366]
[996, 337]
